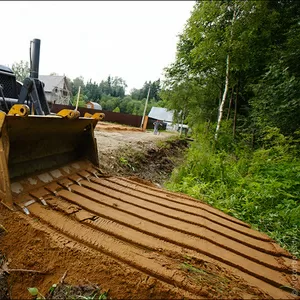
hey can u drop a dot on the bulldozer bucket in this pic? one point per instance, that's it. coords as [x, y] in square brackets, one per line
[34, 144]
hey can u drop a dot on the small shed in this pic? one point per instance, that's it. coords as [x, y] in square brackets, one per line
[93, 105]
[161, 113]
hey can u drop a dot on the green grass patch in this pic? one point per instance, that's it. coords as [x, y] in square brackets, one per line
[260, 187]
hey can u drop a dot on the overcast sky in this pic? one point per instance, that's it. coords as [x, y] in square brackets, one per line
[134, 40]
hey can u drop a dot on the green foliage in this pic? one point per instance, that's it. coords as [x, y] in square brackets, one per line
[110, 93]
[252, 171]
[81, 102]
[21, 70]
[139, 94]
[277, 100]
[123, 161]
[260, 187]
[35, 292]
[261, 40]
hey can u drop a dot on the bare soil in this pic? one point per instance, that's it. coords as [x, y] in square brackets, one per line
[115, 230]
[141, 154]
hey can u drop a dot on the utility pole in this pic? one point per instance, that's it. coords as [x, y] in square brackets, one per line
[146, 104]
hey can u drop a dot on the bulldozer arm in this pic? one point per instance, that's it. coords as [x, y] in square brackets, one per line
[34, 144]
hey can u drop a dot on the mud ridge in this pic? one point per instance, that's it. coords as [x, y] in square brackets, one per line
[84, 192]
[165, 222]
[201, 215]
[149, 231]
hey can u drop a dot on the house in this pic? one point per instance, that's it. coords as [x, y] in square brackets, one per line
[56, 89]
[93, 105]
[162, 114]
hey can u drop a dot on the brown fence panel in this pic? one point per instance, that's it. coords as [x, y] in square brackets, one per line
[120, 118]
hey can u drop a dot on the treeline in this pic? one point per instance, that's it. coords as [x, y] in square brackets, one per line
[239, 61]
[236, 82]
[111, 94]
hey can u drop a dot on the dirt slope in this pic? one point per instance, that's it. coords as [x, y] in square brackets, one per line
[137, 240]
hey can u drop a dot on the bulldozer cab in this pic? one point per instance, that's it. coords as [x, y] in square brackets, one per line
[32, 139]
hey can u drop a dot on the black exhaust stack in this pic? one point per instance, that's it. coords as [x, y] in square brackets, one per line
[34, 58]
[33, 88]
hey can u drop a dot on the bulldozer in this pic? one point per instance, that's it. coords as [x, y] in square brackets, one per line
[33, 140]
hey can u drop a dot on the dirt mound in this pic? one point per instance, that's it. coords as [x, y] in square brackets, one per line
[105, 126]
[138, 241]
[146, 160]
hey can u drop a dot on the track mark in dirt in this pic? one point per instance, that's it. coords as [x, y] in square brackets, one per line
[154, 232]
[121, 219]
[216, 220]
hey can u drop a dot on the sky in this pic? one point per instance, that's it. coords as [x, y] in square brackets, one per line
[134, 40]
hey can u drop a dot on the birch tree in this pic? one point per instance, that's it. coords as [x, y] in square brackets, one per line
[224, 44]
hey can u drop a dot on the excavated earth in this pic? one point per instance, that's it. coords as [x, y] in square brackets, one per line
[133, 238]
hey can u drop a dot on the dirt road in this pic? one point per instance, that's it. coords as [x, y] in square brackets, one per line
[137, 240]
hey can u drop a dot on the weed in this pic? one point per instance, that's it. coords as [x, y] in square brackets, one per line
[192, 269]
[260, 187]
[123, 161]
[35, 292]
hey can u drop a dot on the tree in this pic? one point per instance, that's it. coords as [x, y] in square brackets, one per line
[226, 46]
[118, 87]
[81, 102]
[78, 81]
[21, 70]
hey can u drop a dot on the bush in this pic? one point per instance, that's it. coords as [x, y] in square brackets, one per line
[260, 187]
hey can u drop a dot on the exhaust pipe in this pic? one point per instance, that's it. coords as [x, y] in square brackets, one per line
[34, 58]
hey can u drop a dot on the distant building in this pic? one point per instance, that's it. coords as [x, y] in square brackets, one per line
[165, 115]
[56, 89]
[161, 113]
[93, 105]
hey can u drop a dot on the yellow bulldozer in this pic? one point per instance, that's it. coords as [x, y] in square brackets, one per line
[33, 140]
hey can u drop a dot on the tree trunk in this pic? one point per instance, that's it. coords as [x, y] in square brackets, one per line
[230, 103]
[221, 107]
[235, 111]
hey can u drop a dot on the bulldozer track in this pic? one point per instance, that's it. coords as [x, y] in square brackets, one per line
[146, 228]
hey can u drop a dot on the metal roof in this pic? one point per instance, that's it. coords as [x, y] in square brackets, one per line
[161, 113]
[52, 82]
[95, 104]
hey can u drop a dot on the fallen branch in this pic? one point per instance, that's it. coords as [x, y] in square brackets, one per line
[63, 278]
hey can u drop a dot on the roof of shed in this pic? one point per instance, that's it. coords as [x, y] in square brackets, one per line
[161, 113]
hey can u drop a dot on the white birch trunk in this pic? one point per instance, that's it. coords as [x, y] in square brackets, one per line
[221, 107]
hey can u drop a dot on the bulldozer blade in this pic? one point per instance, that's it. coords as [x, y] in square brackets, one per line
[35, 144]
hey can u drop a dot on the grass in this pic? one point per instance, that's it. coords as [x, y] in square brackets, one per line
[260, 187]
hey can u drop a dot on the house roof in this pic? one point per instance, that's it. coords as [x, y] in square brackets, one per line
[161, 113]
[52, 82]
[96, 105]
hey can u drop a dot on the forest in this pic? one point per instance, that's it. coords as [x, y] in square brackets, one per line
[236, 81]
[111, 94]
